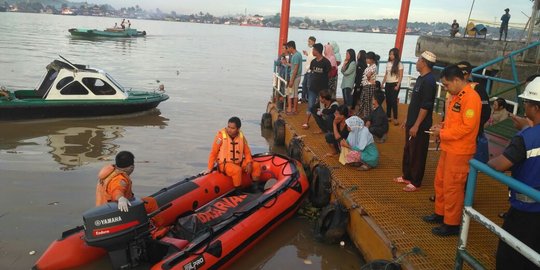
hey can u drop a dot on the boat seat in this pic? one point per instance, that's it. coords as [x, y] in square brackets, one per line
[504, 129]
[174, 242]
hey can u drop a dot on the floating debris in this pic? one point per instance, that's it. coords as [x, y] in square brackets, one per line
[342, 243]
[54, 203]
[308, 261]
[32, 252]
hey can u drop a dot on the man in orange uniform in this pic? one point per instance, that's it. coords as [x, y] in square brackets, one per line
[458, 145]
[114, 184]
[231, 152]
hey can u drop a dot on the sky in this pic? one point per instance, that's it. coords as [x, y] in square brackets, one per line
[420, 10]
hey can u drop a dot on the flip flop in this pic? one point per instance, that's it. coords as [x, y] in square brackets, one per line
[401, 180]
[363, 167]
[305, 126]
[410, 188]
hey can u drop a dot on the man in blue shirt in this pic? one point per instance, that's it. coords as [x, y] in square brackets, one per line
[522, 156]
[294, 79]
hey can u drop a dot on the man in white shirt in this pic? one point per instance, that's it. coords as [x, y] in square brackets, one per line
[309, 57]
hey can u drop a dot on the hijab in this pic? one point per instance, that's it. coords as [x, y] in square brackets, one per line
[335, 49]
[329, 54]
[359, 137]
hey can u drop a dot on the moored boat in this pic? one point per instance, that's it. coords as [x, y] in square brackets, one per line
[72, 90]
[232, 221]
[109, 32]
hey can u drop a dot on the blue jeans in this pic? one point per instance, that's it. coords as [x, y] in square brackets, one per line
[347, 96]
[306, 83]
[482, 150]
[312, 100]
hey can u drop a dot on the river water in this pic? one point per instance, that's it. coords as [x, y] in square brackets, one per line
[211, 72]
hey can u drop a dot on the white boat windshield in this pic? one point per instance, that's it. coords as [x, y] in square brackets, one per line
[115, 83]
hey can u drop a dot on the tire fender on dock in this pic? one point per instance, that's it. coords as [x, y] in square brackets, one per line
[295, 149]
[279, 132]
[332, 223]
[320, 186]
[266, 121]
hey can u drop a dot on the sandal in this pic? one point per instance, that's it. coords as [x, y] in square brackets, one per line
[401, 180]
[396, 122]
[364, 167]
[305, 126]
[410, 188]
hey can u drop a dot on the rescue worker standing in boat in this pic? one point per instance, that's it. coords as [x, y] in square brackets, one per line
[231, 152]
[114, 183]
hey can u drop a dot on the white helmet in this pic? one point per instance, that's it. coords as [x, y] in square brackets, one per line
[532, 91]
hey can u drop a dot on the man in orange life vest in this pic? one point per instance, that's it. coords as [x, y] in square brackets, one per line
[114, 184]
[458, 144]
[231, 152]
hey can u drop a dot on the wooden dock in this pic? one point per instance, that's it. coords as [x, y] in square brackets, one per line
[385, 221]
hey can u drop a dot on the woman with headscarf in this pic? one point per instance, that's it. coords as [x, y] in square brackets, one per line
[333, 74]
[361, 144]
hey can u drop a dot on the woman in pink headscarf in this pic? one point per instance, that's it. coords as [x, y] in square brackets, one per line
[332, 75]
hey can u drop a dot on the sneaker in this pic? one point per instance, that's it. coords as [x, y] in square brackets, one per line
[446, 230]
[433, 218]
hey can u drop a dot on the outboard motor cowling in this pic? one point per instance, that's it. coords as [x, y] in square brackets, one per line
[122, 234]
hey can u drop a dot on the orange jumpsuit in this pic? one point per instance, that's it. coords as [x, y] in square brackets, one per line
[458, 145]
[232, 155]
[112, 183]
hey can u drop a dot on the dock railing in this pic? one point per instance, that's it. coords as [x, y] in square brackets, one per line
[469, 213]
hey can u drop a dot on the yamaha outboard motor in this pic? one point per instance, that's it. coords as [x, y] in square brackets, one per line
[122, 234]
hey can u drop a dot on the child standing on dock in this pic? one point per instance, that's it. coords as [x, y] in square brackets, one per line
[505, 18]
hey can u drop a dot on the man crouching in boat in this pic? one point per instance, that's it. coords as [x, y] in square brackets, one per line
[231, 152]
[114, 184]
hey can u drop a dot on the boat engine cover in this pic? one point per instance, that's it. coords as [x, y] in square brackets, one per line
[109, 228]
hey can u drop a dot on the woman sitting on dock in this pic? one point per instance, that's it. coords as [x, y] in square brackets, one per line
[339, 131]
[360, 145]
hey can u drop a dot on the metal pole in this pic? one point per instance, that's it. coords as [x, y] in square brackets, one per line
[284, 25]
[402, 25]
[468, 19]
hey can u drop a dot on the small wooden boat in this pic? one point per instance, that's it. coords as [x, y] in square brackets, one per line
[108, 33]
[201, 221]
[71, 90]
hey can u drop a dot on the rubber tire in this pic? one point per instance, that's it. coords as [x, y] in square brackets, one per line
[295, 149]
[266, 121]
[331, 226]
[381, 265]
[320, 187]
[279, 132]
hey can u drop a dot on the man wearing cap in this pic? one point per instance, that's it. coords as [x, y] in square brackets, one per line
[504, 24]
[419, 120]
[522, 156]
[458, 144]
[114, 183]
[319, 67]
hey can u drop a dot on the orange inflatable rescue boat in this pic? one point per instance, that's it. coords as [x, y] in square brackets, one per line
[199, 223]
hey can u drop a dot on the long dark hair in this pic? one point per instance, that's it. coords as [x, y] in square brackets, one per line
[395, 63]
[361, 61]
[373, 56]
[352, 57]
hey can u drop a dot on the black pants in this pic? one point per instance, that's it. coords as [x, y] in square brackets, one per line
[325, 122]
[391, 99]
[525, 227]
[356, 95]
[414, 157]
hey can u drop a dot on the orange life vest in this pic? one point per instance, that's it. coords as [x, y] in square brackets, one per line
[111, 179]
[231, 149]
